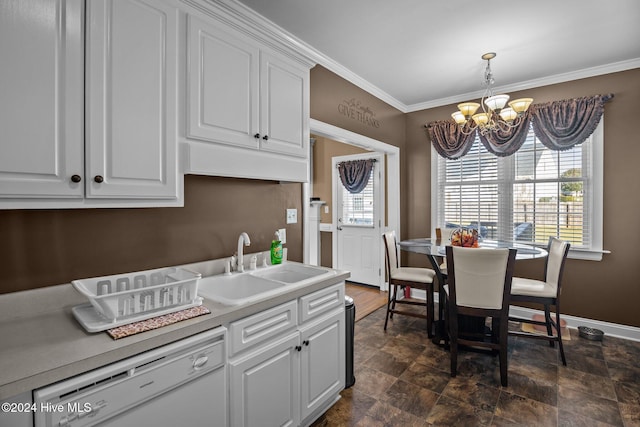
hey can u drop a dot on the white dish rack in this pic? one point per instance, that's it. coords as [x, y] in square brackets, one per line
[130, 297]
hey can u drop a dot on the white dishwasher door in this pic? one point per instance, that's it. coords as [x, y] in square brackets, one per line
[202, 402]
[180, 384]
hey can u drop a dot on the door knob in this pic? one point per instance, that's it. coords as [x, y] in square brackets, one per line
[98, 179]
[76, 178]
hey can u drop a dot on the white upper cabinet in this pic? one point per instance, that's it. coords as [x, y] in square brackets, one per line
[97, 94]
[247, 105]
[90, 118]
[42, 98]
[131, 99]
[284, 107]
[223, 86]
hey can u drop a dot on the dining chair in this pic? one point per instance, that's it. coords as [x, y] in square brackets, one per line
[479, 284]
[401, 277]
[546, 293]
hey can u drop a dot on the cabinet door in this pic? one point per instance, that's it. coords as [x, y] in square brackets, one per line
[223, 86]
[284, 107]
[131, 82]
[322, 362]
[264, 385]
[42, 101]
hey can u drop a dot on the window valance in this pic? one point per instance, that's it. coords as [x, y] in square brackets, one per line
[559, 125]
[354, 174]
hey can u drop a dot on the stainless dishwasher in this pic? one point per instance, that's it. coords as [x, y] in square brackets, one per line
[183, 383]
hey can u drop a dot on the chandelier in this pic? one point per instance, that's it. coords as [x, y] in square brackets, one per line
[494, 116]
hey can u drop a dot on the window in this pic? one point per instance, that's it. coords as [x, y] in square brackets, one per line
[357, 209]
[527, 197]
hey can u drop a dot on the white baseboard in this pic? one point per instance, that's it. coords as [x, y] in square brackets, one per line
[611, 329]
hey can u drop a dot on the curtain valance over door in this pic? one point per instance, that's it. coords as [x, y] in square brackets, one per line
[354, 174]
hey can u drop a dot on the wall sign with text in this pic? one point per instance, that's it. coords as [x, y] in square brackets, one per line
[354, 110]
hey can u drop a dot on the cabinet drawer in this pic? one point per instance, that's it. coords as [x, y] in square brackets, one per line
[322, 301]
[255, 329]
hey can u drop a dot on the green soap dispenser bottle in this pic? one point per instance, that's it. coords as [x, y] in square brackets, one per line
[276, 250]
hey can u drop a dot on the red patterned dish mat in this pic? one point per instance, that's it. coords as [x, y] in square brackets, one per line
[157, 322]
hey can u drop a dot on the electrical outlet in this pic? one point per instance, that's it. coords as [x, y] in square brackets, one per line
[292, 216]
[283, 235]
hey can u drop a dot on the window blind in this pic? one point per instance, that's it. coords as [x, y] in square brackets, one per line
[529, 196]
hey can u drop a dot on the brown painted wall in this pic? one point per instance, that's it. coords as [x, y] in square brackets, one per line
[48, 247]
[328, 93]
[606, 290]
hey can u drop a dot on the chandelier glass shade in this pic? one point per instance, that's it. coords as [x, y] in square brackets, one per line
[493, 116]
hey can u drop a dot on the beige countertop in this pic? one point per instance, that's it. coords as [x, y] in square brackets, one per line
[41, 342]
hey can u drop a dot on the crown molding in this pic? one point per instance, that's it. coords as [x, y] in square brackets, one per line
[530, 84]
[247, 21]
[252, 21]
[256, 22]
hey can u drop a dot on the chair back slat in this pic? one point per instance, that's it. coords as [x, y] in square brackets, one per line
[558, 250]
[478, 276]
[391, 251]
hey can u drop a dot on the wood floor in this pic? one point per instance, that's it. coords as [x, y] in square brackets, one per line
[365, 298]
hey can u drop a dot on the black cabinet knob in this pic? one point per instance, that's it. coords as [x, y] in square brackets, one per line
[76, 178]
[305, 342]
[98, 179]
[266, 137]
[298, 348]
[256, 136]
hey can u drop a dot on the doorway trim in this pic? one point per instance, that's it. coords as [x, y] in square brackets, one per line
[393, 176]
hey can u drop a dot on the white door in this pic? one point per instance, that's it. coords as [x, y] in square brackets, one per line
[359, 218]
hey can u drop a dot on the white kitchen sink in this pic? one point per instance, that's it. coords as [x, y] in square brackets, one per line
[236, 289]
[243, 288]
[291, 273]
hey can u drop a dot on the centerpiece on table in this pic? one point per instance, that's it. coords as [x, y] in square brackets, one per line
[465, 237]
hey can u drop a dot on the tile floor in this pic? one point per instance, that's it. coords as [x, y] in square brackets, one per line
[402, 379]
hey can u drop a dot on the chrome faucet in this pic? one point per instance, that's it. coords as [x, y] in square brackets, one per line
[243, 239]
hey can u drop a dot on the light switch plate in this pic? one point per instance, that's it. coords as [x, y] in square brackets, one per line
[326, 209]
[292, 216]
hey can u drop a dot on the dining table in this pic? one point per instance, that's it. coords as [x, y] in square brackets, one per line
[435, 248]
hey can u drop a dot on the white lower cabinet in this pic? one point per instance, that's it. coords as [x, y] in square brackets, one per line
[322, 365]
[289, 378]
[264, 385]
